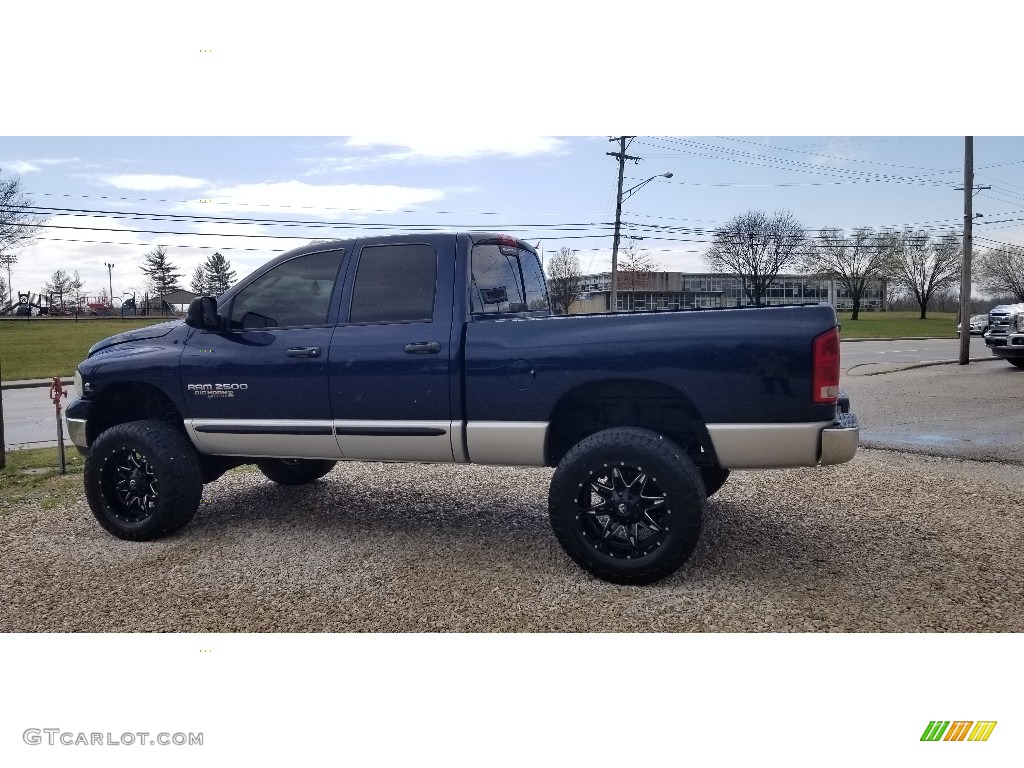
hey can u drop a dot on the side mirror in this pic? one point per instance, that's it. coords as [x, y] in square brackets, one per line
[202, 313]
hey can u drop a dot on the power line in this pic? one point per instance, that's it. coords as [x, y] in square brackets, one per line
[790, 165]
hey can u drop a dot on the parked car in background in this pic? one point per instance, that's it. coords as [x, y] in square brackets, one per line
[979, 324]
[1005, 334]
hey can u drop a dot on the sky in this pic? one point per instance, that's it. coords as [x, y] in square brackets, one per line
[110, 200]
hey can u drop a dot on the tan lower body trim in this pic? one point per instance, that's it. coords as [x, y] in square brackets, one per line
[767, 446]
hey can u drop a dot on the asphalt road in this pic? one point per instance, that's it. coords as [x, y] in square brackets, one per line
[29, 420]
[960, 411]
[906, 351]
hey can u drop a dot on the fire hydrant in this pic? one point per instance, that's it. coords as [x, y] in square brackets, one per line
[56, 393]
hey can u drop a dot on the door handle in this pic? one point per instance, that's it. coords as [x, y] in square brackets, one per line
[303, 352]
[423, 348]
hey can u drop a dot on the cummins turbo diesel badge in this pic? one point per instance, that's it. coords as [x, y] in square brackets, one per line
[216, 390]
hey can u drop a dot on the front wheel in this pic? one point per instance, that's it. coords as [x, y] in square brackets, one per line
[1016, 361]
[627, 504]
[295, 471]
[142, 480]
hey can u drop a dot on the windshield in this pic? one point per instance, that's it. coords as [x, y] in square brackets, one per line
[507, 279]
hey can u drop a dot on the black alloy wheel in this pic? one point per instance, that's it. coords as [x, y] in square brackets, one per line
[627, 504]
[130, 485]
[142, 480]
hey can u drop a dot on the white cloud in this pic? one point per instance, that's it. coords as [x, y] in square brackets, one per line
[454, 147]
[151, 182]
[28, 166]
[20, 166]
[375, 151]
[300, 198]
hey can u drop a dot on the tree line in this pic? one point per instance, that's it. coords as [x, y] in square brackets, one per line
[918, 266]
[915, 263]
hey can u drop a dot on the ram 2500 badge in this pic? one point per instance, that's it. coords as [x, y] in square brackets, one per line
[442, 348]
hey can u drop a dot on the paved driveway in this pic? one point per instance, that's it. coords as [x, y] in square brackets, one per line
[962, 411]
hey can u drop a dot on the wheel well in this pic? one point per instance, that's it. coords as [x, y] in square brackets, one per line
[121, 403]
[625, 403]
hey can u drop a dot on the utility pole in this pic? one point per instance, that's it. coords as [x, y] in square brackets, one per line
[622, 158]
[965, 267]
[110, 280]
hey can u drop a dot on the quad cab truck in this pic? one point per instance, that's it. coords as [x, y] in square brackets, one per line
[442, 348]
[1005, 334]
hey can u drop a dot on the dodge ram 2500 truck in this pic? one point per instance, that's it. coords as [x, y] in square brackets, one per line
[442, 348]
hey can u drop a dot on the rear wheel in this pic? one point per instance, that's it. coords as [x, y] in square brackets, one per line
[142, 480]
[627, 504]
[294, 471]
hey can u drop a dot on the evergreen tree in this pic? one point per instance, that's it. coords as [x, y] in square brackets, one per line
[161, 276]
[219, 274]
[199, 281]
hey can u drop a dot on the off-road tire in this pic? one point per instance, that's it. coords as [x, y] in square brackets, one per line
[295, 471]
[627, 504]
[142, 480]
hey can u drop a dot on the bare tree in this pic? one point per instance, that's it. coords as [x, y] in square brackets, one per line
[756, 247]
[565, 279]
[924, 266]
[1001, 270]
[65, 285]
[635, 268]
[855, 262]
[19, 223]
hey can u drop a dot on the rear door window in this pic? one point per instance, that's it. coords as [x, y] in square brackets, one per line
[395, 284]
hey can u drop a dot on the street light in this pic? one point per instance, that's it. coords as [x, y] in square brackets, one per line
[623, 196]
[6, 260]
[110, 281]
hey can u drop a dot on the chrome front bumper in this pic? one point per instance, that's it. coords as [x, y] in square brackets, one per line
[76, 418]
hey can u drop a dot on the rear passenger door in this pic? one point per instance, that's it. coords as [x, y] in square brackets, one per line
[390, 358]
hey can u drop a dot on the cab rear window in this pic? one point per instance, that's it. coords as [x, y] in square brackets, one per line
[506, 279]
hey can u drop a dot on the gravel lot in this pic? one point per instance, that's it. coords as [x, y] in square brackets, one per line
[889, 542]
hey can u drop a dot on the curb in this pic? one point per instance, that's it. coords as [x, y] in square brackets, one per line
[30, 383]
[912, 366]
[904, 338]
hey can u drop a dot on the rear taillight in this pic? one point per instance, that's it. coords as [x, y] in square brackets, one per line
[825, 368]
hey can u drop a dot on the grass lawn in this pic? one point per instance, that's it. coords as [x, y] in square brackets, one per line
[42, 349]
[31, 475]
[890, 325]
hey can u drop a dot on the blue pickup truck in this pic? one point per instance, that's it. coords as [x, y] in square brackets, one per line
[442, 348]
